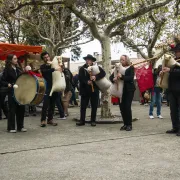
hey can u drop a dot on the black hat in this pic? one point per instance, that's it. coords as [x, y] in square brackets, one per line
[89, 56]
[176, 48]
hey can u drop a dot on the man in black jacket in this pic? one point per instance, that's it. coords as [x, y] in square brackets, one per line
[89, 90]
[3, 94]
[49, 102]
[128, 92]
[174, 93]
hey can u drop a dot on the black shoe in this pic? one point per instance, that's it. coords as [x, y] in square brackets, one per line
[172, 131]
[93, 124]
[43, 125]
[123, 128]
[129, 128]
[178, 133]
[80, 123]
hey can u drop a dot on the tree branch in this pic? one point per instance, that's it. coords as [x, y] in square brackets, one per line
[136, 14]
[158, 24]
[87, 20]
[4, 34]
[177, 8]
[84, 29]
[116, 33]
[68, 46]
[78, 30]
[35, 28]
[130, 43]
[68, 4]
[71, 38]
[35, 2]
[59, 30]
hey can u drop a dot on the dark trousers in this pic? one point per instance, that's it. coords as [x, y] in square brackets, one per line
[48, 106]
[26, 109]
[33, 109]
[16, 113]
[94, 98]
[3, 106]
[60, 105]
[30, 108]
[167, 96]
[73, 97]
[125, 107]
[174, 99]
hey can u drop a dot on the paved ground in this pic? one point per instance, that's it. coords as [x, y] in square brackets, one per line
[67, 152]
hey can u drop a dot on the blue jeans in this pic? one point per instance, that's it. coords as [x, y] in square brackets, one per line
[155, 98]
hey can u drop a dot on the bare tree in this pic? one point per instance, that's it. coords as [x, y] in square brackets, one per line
[156, 27]
[10, 29]
[56, 26]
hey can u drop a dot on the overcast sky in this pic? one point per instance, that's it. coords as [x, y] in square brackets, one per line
[116, 50]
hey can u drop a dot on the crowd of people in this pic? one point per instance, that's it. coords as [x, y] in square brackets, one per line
[89, 92]
[15, 112]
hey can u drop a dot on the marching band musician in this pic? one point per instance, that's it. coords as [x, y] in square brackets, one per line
[49, 102]
[16, 111]
[174, 93]
[89, 90]
[128, 92]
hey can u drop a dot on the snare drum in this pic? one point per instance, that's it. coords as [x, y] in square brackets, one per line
[31, 89]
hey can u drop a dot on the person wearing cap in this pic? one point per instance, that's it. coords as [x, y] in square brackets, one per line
[174, 92]
[89, 90]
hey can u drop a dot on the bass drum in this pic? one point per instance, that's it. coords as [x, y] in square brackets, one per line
[31, 89]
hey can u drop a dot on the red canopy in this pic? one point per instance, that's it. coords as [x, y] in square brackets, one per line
[18, 50]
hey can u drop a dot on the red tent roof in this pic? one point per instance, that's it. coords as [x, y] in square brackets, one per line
[18, 50]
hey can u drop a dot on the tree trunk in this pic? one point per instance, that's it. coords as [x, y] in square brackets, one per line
[106, 62]
[11, 34]
[50, 50]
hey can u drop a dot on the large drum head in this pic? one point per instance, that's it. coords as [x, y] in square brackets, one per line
[26, 90]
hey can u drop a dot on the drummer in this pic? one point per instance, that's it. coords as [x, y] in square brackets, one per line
[16, 111]
[49, 102]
